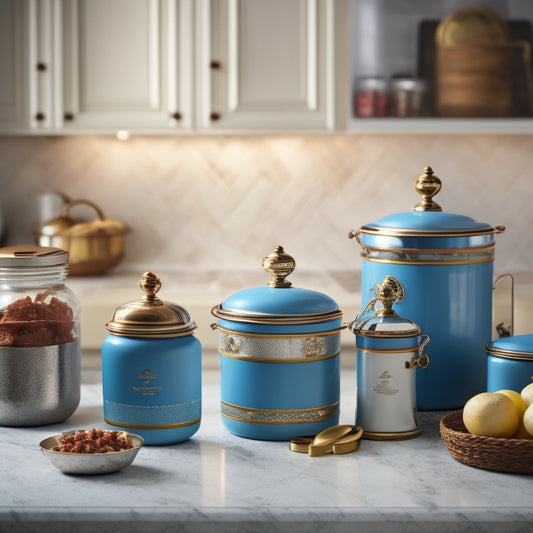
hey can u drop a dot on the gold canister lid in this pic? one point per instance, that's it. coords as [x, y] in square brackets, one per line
[150, 316]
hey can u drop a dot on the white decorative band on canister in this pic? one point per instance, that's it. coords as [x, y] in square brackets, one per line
[279, 416]
[153, 416]
[279, 348]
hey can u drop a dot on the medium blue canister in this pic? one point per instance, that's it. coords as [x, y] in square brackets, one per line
[510, 363]
[445, 262]
[390, 349]
[151, 369]
[280, 357]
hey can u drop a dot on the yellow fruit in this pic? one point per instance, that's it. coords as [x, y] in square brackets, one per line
[491, 414]
[527, 394]
[517, 400]
[528, 419]
[521, 432]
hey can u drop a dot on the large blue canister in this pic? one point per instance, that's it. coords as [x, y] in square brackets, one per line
[445, 262]
[151, 369]
[510, 363]
[280, 357]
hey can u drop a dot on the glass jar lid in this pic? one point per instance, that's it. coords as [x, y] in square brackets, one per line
[378, 319]
[30, 255]
[150, 316]
[514, 347]
[278, 302]
[427, 217]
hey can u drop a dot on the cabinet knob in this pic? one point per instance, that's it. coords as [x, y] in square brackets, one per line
[215, 65]
[41, 67]
[214, 115]
[40, 117]
[68, 116]
[176, 115]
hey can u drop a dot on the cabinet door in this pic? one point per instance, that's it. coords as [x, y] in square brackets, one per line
[13, 65]
[127, 64]
[265, 64]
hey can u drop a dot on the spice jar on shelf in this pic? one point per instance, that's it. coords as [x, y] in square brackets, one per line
[371, 97]
[408, 97]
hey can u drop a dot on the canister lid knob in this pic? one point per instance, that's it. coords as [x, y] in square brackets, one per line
[428, 185]
[280, 265]
[389, 292]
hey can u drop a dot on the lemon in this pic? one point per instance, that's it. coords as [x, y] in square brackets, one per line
[528, 420]
[520, 404]
[491, 414]
[527, 394]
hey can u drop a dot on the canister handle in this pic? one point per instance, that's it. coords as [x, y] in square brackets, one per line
[421, 359]
[503, 327]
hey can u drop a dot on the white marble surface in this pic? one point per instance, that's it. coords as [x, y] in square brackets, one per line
[220, 482]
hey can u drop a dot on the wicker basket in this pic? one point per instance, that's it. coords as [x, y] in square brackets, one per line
[488, 453]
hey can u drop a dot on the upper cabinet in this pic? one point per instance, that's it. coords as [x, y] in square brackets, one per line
[14, 88]
[126, 64]
[167, 65]
[266, 64]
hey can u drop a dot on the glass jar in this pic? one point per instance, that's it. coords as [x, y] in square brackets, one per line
[408, 97]
[40, 355]
[371, 98]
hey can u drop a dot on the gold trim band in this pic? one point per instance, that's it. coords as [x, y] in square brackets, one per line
[271, 360]
[168, 426]
[456, 262]
[278, 416]
[406, 232]
[399, 350]
[243, 316]
[279, 348]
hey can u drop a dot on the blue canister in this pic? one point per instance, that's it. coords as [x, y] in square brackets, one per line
[445, 262]
[280, 357]
[510, 363]
[390, 349]
[151, 369]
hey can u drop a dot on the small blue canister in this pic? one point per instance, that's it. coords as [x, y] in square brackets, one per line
[390, 348]
[151, 369]
[280, 357]
[510, 363]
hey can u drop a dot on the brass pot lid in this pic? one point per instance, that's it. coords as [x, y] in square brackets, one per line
[31, 255]
[150, 316]
[472, 26]
[278, 302]
[67, 226]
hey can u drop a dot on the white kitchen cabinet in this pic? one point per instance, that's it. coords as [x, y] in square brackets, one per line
[127, 64]
[86, 66]
[13, 82]
[266, 64]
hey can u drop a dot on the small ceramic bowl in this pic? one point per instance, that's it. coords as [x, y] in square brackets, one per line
[89, 463]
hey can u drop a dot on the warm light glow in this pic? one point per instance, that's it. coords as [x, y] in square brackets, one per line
[123, 135]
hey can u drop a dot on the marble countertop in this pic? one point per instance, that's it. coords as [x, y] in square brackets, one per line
[220, 482]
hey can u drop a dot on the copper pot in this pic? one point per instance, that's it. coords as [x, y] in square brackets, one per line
[93, 247]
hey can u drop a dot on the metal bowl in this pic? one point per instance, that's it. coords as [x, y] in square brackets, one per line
[89, 463]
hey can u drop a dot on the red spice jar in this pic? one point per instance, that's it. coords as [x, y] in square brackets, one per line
[371, 97]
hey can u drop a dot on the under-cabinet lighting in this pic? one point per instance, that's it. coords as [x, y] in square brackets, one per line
[123, 135]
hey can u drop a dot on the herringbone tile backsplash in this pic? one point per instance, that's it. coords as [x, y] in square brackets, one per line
[220, 203]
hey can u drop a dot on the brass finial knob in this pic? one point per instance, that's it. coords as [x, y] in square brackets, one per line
[389, 292]
[280, 265]
[428, 185]
[150, 284]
